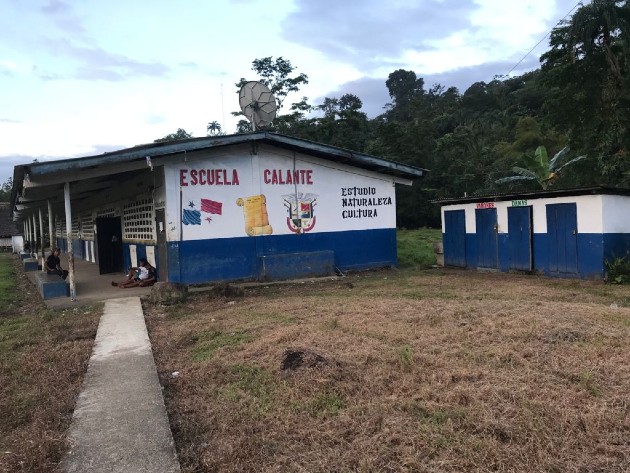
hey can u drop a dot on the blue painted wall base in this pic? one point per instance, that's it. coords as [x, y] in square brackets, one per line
[232, 259]
[296, 265]
[593, 250]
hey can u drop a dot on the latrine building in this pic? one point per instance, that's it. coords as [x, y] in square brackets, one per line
[250, 206]
[565, 233]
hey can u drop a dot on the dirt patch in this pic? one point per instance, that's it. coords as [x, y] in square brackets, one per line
[296, 358]
[441, 371]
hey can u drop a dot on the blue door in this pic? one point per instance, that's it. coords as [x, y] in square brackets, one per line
[520, 238]
[562, 234]
[487, 248]
[455, 238]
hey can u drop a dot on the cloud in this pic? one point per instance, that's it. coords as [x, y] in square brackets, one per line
[99, 64]
[56, 7]
[9, 120]
[62, 15]
[371, 33]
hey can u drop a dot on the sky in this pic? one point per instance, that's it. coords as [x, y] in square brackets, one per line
[80, 78]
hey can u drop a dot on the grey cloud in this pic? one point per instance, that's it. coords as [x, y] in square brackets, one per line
[55, 7]
[9, 120]
[366, 32]
[98, 64]
[61, 13]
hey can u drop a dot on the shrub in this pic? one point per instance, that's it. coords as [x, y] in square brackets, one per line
[618, 270]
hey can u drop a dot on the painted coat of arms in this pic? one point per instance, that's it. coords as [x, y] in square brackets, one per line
[300, 207]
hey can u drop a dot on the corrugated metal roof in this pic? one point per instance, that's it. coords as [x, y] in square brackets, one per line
[332, 153]
[37, 183]
[533, 195]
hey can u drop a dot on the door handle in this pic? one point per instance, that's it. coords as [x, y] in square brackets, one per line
[574, 231]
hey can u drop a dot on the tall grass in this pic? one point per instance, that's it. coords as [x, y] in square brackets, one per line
[7, 282]
[415, 247]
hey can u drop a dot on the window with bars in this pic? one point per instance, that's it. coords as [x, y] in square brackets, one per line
[138, 220]
[108, 212]
[76, 227]
[59, 230]
[87, 227]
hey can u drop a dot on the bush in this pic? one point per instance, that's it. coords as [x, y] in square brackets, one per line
[618, 270]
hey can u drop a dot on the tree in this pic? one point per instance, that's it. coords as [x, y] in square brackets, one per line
[403, 87]
[213, 128]
[180, 134]
[275, 74]
[540, 169]
[5, 190]
[587, 75]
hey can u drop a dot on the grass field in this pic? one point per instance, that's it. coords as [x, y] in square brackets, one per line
[43, 358]
[415, 247]
[410, 370]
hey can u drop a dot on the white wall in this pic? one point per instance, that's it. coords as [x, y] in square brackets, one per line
[616, 214]
[329, 186]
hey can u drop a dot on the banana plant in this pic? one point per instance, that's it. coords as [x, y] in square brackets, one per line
[540, 168]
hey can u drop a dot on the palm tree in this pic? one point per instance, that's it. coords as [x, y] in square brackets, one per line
[540, 169]
[214, 128]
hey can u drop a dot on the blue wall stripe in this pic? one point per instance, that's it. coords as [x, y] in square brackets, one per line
[237, 258]
[593, 249]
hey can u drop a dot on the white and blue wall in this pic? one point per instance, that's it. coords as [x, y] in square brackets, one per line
[557, 234]
[274, 214]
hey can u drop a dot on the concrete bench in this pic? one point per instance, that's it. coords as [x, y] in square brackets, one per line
[51, 286]
[30, 264]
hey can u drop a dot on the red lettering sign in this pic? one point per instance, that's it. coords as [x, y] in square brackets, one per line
[485, 205]
[207, 177]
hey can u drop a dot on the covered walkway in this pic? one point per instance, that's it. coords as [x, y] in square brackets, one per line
[91, 286]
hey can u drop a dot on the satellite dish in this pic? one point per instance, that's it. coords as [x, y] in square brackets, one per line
[258, 104]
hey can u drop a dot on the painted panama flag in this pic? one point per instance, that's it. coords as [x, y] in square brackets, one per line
[192, 216]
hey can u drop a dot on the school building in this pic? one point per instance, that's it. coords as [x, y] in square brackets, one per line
[249, 206]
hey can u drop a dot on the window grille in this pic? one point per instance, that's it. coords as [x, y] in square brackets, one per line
[87, 227]
[59, 228]
[76, 226]
[108, 212]
[138, 220]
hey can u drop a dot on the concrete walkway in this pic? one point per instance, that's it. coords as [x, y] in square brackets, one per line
[120, 422]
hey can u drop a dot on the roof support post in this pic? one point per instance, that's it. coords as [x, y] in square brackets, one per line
[66, 198]
[34, 231]
[29, 224]
[41, 237]
[51, 228]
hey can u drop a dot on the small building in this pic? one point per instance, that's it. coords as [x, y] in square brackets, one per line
[564, 233]
[10, 237]
[249, 206]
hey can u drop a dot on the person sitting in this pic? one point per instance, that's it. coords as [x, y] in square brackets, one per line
[53, 264]
[141, 276]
